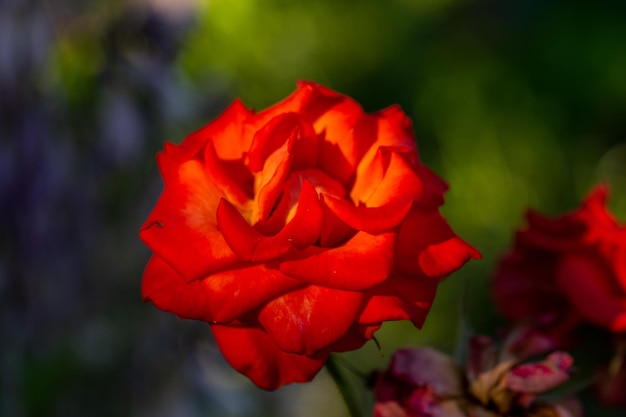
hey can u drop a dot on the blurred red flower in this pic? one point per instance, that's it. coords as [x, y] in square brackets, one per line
[296, 231]
[566, 271]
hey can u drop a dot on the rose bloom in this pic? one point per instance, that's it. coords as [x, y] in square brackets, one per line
[567, 271]
[296, 231]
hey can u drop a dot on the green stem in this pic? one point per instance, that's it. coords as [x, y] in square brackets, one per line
[342, 384]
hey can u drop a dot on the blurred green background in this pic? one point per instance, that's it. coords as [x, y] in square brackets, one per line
[515, 103]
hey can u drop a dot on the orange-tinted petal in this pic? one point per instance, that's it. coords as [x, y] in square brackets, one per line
[333, 116]
[307, 320]
[394, 128]
[269, 181]
[341, 149]
[253, 353]
[232, 178]
[280, 129]
[328, 111]
[388, 177]
[363, 261]
[250, 245]
[294, 103]
[369, 219]
[272, 137]
[226, 132]
[182, 227]
[399, 181]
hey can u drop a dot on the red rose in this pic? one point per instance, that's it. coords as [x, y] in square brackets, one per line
[566, 271]
[296, 231]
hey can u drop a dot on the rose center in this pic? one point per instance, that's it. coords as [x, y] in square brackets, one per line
[286, 205]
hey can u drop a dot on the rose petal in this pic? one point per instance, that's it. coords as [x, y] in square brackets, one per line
[590, 288]
[253, 353]
[562, 234]
[232, 177]
[536, 378]
[369, 219]
[305, 93]
[427, 366]
[401, 297]
[525, 290]
[310, 319]
[334, 116]
[225, 132]
[335, 232]
[389, 409]
[394, 128]
[286, 206]
[168, 291]
[306, 149]
[441, 259]
[273, 136]
[388, 177]
[269, 182]
[583, 226]
[363, 261]
[249, 245]
[424, 403]
[356, 337]
[239, 235]
[331, 114]
[182, 228]
[525, 342]
[230, 294]
[427, 238]
[594, 207]
[399, 182]
[323, 182]
[434, 188]
[248, 287]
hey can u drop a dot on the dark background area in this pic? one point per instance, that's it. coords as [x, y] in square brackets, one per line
[515, 103]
